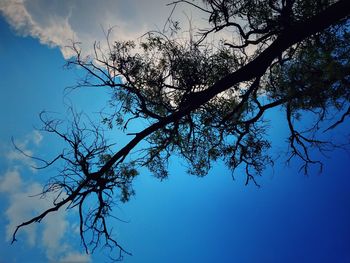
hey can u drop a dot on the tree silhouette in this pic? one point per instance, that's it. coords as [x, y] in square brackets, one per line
[204, 101]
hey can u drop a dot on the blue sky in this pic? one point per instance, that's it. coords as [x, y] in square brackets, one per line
[291, 218]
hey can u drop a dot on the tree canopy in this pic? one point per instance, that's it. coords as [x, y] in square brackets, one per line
[203, 100]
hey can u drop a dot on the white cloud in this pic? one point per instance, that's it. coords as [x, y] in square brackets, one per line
[55, 228]
[10, 182]
[13, 155]
[57, 22]
[37, 137]
[22, 207]
[55, 31]
[74, 257]
[25, 202]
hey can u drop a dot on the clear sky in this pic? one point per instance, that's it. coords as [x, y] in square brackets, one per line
[291, 218]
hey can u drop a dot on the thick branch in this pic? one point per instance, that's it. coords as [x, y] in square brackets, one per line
[254, 69]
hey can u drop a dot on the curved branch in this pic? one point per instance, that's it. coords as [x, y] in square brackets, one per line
[255, 68]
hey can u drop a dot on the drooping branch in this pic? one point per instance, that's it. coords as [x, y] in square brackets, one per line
[77, 183]
[253, 69]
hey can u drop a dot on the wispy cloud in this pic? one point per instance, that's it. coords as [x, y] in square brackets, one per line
[57, 23]
[75, 257]
[24, 202]
[10, 182]
[36, 137]
[54, 31]
[21, 206]
[16, 157]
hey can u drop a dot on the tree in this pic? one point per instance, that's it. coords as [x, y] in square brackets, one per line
[204, 100]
